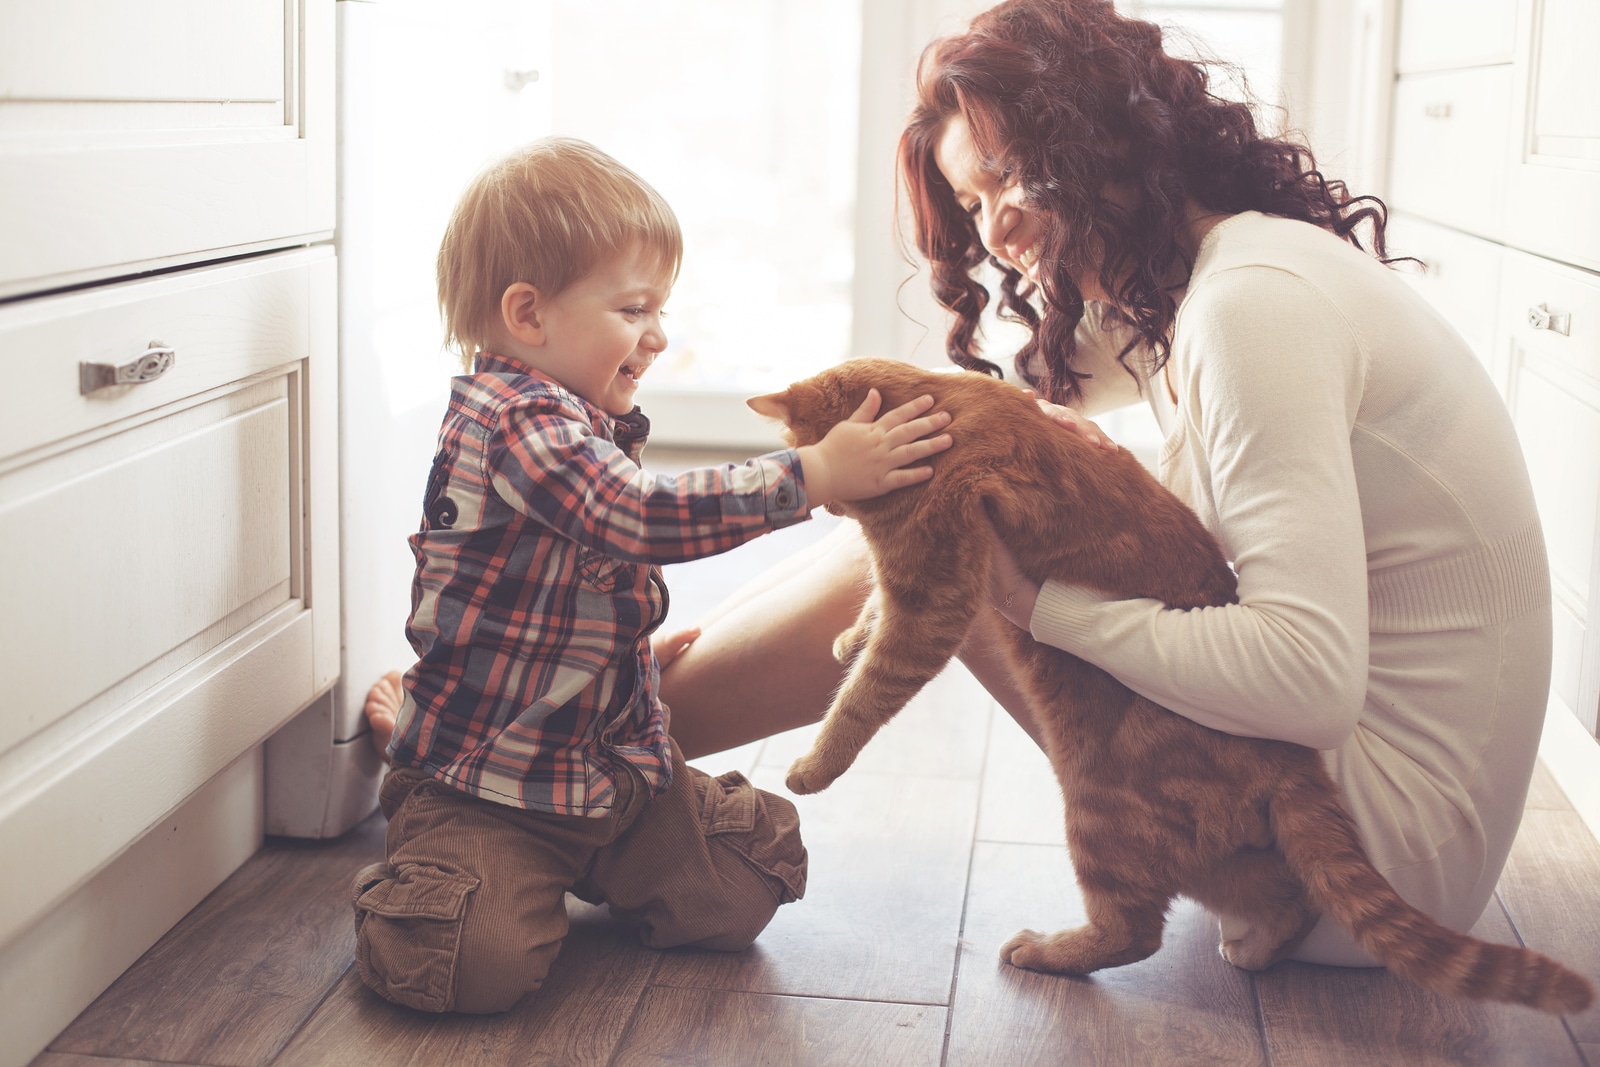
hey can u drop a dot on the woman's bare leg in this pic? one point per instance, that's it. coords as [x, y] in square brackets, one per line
[764, 661]
[982, 655]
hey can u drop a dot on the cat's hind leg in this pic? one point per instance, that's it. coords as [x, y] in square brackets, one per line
[1119, 931]
[1260, 905]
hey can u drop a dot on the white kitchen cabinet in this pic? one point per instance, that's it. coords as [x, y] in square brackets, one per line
[1553, 179]
[169, 536]
[1495, 183]
[1550, 316]
[141, 136]
[1458, 274]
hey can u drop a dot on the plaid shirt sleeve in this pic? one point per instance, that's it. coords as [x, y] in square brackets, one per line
[581, 485]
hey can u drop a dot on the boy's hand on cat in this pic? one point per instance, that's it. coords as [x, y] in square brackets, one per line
[1078, 424]
[1012, 593]
[864, 457]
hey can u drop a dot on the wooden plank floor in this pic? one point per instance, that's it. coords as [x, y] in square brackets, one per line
[942, 842]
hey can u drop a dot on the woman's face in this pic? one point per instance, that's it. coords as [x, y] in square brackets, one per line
[1010, 229]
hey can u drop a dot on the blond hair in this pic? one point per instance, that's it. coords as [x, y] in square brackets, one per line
[547, 214]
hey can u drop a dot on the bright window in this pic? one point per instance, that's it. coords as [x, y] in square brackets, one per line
[743, 114]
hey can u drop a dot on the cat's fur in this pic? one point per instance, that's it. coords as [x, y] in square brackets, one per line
[1156, 805]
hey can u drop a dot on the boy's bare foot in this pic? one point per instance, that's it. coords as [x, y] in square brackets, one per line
[383, 706]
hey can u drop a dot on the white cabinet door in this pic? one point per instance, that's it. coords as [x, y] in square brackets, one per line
[1458, 274]
[1553, 187]
[1441, 34]
[1448, 154]
[172, 592]
[140, 136]
[1550, 324]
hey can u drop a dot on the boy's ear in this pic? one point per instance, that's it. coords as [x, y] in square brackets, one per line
[521, 309]
[772, 405]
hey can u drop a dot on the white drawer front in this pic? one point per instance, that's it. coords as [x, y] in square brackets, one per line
[1555, 399]
[224, 324]
[157, 51]
[1450, 149]
[172, 589]
[1459, 276]
[146, 135]
[152, 544]
[161, 518]
[1437, 34]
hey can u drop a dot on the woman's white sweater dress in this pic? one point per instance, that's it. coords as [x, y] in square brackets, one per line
[1363, 475]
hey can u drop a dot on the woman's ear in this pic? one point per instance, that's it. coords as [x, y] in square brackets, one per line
[522, 311]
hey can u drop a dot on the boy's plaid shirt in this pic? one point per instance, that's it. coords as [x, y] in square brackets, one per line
[537, 588]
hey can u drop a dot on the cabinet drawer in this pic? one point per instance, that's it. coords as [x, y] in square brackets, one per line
[161, 517]
[171, 594]
[1438, 34]
[1451, 146]
[223, 324]
[147, 136]
[1459, 275]
[1554, 397]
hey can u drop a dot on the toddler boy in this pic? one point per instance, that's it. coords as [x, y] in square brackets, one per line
[530, 751]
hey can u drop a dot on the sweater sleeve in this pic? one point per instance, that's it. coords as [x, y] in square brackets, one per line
[1270, 377]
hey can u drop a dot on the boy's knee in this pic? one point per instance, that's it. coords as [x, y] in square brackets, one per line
[753, 862]
[415, 946]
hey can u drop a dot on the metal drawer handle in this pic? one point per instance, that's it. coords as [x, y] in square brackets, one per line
[1438, 110]
[1542, 318]
[149, 365]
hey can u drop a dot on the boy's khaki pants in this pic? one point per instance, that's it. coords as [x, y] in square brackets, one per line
[468, 912]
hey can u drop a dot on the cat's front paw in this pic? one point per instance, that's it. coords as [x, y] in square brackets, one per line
[1023, 950]
[809, 774]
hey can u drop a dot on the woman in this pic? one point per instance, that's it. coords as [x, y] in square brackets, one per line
[1339, 439]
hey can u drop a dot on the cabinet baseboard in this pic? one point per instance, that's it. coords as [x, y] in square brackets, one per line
[62, 962]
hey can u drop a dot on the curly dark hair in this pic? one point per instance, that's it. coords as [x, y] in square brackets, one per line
[1072, 99]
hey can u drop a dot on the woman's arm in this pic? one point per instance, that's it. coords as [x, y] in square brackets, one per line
[1271, 378]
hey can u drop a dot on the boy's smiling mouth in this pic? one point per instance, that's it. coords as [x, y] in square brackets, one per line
[633, 371]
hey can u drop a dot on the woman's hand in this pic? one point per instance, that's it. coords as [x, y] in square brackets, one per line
[862, 457]
[1012, 593]
[1078, 424]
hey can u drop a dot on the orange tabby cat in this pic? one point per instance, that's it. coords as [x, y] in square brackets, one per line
[1156, 805]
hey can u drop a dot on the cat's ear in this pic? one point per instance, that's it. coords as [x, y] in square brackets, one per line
[772, 405]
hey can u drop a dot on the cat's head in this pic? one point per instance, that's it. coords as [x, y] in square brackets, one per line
[810, 408]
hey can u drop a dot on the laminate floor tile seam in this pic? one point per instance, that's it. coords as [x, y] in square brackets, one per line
[310, 1013]
[1261, 1023]
[797, 996]
[966, 888]
[1516, 931]
[633, 1016]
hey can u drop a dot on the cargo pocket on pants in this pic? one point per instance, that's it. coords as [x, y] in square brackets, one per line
[408, 932]
[763, 829]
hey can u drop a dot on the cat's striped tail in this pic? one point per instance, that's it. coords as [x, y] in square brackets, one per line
[1319, 840]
